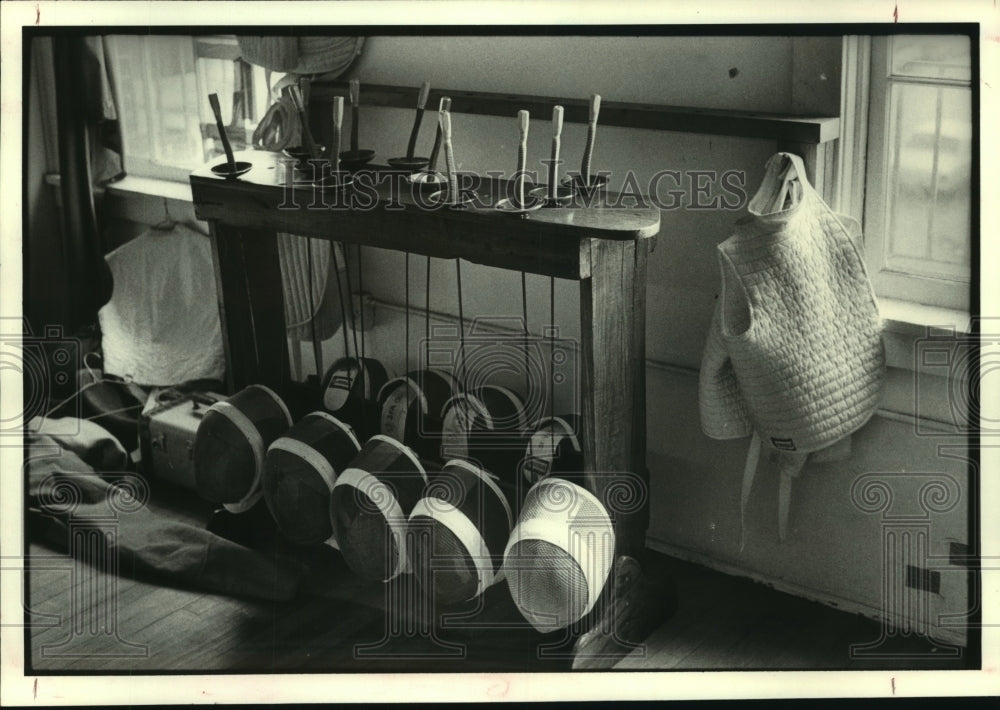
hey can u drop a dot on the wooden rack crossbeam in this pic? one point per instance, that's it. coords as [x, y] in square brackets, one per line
[782, 127]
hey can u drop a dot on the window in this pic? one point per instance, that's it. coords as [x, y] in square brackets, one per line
[162, 85]
[918, 192]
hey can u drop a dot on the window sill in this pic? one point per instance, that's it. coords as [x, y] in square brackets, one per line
[916, 390]
[915, 319]
[151, 187]
[145, 201]
[906, 325]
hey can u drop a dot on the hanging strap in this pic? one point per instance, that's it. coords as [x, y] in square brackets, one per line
[317, 346]
[362, 369]
[783, 186]
[343, 308]
[524, 313]
[361, 298]
[461, 326]
[350, 296]
[789, 466]
[406, 311]
[427, 304]
[552, 345]
[749, 472]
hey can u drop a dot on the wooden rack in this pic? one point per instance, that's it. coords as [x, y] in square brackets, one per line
[604, 249]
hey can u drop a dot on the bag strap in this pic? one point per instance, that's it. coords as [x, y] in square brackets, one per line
[785, 179]
[790, 465]
[749, 473]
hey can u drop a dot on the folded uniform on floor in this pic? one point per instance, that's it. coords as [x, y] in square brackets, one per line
[72, 479]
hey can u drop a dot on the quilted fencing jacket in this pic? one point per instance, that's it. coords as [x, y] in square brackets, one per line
[794, 354]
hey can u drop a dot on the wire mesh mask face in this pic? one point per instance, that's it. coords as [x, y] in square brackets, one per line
[300, 470]
[553, 449]
[559, 554]
[457, 532]
[230, 444]
[369, 506]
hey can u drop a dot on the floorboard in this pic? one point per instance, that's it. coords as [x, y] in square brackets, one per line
[720, 622]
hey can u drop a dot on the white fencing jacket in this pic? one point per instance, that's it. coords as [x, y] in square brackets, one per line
[794, 352]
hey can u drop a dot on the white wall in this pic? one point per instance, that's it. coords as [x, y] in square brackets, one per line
[682, 71]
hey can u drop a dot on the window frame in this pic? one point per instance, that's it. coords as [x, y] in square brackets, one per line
[941, 292]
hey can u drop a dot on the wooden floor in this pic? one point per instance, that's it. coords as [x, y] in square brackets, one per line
[728, 623]
[338, 623]
[720, 623]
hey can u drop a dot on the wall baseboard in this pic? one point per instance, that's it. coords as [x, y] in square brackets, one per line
[938, 633]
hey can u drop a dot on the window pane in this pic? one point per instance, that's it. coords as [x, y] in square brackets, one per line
[932, 57]
[156, 86]
[929, 170]
[218, 77]
[260, 90]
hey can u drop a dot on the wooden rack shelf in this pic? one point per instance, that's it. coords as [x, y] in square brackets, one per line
[391, 214]
[809, 130]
